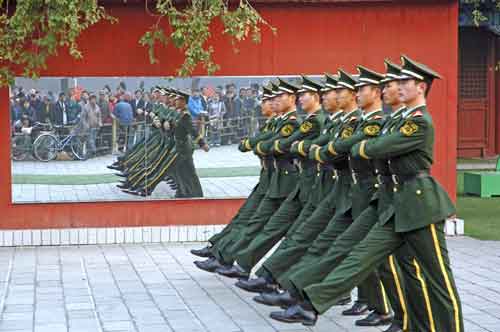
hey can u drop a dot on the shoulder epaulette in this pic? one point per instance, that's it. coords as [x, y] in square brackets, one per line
[353, 118]
[377, 117]
[417, 113]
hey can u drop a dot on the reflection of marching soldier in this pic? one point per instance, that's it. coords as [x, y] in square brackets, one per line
[166, 154]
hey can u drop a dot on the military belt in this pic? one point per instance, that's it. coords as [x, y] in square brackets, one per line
[285, 165]
[384, 179]
[402, 178]
[266, 163]
[305, 164]
[359, 177]
[326, 167]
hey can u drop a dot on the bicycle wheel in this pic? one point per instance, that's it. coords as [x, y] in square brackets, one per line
[19, 149]
[79, 147]
[45, 147]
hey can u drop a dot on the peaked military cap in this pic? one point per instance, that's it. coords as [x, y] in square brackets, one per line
[274, 89]
[346, 81]
[267, 92]
[331, 82]
[183, 94]
[156, 88]
[163, 91]
[393, 71]
[286, 87]
[414, 70]
[368, 77]
[308, 85]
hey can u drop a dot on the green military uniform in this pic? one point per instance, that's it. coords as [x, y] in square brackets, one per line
[420, 208]
[156, 159]
[283, 180]
[182, 168]
[321, 207]
[232, 231]
[340, 197]
[297, 207]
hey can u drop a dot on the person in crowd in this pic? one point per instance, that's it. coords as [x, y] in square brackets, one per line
[233, 106]
[216, 110]
[47, 114]
[103, 103]
[74, 109]
[61, 111]
[123, 112]
[91, 122]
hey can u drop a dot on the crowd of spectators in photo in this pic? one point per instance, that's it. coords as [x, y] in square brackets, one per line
[224, 114]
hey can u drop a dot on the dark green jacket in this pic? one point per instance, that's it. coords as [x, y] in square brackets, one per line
[419, 201]
[285, 175]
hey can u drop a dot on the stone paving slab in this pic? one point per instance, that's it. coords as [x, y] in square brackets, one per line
[155, 287]
[216, 187]
[217, 157]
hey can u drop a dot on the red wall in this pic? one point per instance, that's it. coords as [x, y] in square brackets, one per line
[311, 39]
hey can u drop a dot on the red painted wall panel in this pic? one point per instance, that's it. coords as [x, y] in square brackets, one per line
[312, 39]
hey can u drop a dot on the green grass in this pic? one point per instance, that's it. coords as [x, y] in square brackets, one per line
[481, 215]
[111, 178]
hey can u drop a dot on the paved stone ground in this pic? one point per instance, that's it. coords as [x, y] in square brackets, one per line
[155, 287]
[41, 193]
[223, 156]
[219, 157]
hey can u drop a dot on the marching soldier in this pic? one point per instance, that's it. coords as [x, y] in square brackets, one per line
[283, 182]
[296, 208]
[420, 208]
[233, 230]
[300, 236]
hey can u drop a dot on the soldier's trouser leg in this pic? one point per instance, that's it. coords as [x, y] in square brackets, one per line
[299, 241]
[248, 205]
[319, 247]
[373, 291]
[432, 268]
[263, 213]
[336, 252]
[244, 216]
[273, 231]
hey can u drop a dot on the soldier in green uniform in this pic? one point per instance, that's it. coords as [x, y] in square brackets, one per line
[296, 208]
[302, 234]
[136, 152]
[362, 189]
[420, 208]
[232, 231]
[143, 180]
[388, 271]
[182, 167]
[282, 182]
[339, 199]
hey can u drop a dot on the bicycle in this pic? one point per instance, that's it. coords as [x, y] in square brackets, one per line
[47, 146]
[21, 142]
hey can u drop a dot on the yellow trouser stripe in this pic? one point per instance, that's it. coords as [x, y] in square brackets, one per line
[399, 291]
[446, 277]
[163, 171]
[384, 298]
[426, 295]
[147, 173]
[144, 157]
[134, 176]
